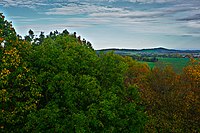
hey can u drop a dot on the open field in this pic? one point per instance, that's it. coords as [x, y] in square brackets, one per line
[159, 57]
[177, 63]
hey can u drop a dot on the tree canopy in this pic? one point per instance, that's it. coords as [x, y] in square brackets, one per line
[58, 83]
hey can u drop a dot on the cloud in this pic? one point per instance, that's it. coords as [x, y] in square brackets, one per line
[80, 8]
[33, 4]
[35, 20]
[176, 18]
[109, 10]
[90, 21]
[138, 13]
[159, 20]
[195, 25]
[191, 18]
[19, 3]
[17, 17]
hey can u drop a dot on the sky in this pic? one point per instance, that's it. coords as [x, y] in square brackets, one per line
[131, 24]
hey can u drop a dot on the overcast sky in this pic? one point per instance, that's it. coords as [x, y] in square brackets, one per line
[112, 23]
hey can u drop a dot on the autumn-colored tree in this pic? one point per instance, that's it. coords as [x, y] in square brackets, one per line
[18, 90]
[172, 100]
[136, 72]
[163, 105]
[190, 91]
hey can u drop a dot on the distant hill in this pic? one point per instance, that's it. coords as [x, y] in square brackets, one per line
[150, 50]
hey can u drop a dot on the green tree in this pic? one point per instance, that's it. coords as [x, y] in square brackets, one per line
[65, 32]
[63, 85]
[41, 37]
[31, 34]
[28, 38]
[18, 89]
[82, 92]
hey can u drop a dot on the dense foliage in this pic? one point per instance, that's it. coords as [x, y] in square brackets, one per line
[57, 83]
[172, 100]
[19, 92]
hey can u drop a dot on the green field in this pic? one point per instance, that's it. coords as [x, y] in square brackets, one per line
[151, 64]
[177, 63]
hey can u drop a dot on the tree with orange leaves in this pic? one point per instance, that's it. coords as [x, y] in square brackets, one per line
[191, 95]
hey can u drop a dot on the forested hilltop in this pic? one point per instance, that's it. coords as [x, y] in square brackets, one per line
[57, 83]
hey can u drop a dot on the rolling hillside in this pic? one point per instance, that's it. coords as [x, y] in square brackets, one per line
[159, 50]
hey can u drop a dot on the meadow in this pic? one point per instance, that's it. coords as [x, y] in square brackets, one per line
[158, 57]
[177, 63]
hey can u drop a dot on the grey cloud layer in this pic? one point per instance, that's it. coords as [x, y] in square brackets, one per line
[83, 8]
[35, 3]
[185, 13]
[172, 13]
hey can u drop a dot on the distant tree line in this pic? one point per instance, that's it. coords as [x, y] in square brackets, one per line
[144, 58]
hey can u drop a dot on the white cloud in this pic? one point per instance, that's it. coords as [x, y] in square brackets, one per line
[193, 24]
[29, 3]
[82, 8]
[17, 17]
[127, 14]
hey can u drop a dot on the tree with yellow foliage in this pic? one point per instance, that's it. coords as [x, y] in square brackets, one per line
[191, 95]
[18, 91]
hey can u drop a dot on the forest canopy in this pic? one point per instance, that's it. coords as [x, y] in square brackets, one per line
[58, 83]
